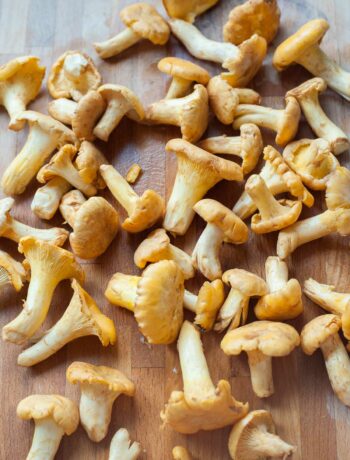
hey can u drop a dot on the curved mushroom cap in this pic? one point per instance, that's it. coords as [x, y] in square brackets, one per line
[213, 212]
[95, 226]
[223, 99]
[271, 338]
[88, 162]
[247, 283]
[251, 146]
[338, 189]
[146, 22]
[159, 302]
[297, 44]
[261, 17]
[14, 270]
[149, 208]
[152, 249]
[290, 214]
[62, 410]
[317, 331]
[289, 121]
[110, 92]
[314, 85]
[210, 298]
[187, 10]
[73, 75]
[195, 113]
[186, 70]
[215, 412]
[108, 377]
[89, 109]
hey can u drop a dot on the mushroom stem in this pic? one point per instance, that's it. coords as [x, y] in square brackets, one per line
[14, 106]
[16, 230]
[263, 198]
[260, 367]
[117, 44]
[276, 273]
[116, 109]
[232, 311]
[47, 198]
[46, 440]
[190, 301]
[63, 110]
[121, 290]
[259, 115]
[165, 111]
[179, 87]
[265, 444]
[205, 255]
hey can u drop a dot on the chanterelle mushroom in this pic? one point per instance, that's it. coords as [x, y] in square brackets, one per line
[197, 172]
[254, 437]
[157, 247]
[20, 83]
[322, 332]
[303, 48]
[155, 298]
[73, 75]
[244, 285]
[261, 340]
[201, 405]
[142, 22]
[338, 189]
[14, 230]
[121, 447]
[222, 226]
[54, 416]
[143, 211]
[82, 318]
[11, 272]
[283, 300]
[47, 198]
[49, 265]
[189, 113]
[181, 453]
[187, 10]
[100, 386]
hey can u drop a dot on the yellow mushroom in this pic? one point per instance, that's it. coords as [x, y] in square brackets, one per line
[62, 109]
[121, 447]
[11, 272]
[338, 189]
[47, 198]
[181, 453]
[187, 10]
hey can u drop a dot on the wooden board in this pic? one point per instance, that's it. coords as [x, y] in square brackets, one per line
[305, 410]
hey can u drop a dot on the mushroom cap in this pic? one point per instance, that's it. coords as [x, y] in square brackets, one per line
[260, 17]
[184, 69]
[195, 114]
[317, 331]
[251, 146]
[64, 155]
[223, 99]
[210, 298]
[110, 92]
[107, 377]
[270, 338]
[314, 85]
[62, 410]
[95, 226]
[247, 283]
[89, 109]
[5, 207]
[213, 212]
[153, 248]
[289, 121]
[149, 208]
[297, 44]
[145, 20]
[338, 188]
[159, 302]
[88, 162]
[14, 270]
[86, 76]
[180, 453]
[290, 214]
[187, 10]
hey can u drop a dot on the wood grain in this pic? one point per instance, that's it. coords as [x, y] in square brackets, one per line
[304, 408]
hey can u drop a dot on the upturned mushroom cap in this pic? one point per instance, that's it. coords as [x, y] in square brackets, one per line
[338, 189]
[149, 208]
[213, 212]
[187, 10]
[73, 75]
[13, 270]
[297, 44]
[146, 22]
[110, 92]
[87, 112]
[290, 214]
[187, 70]
[317, 331]
[210, 298]
[289, 121]
[247, 283]
[62, 410]
[317, 85]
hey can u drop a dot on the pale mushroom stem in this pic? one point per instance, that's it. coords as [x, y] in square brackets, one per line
[233, 310]
[115, 111]
[16, 230]
[117, 44]
[244, 206]
[47, 198]
[165, 111]
[263, 198]
[276, 273]
[260, 367]
[259, 115]
[265, 444]
[224, 145]
[326, 297]
[190, 301]
[205, 255]
[179, 87]
[46, 440]
[14, 106]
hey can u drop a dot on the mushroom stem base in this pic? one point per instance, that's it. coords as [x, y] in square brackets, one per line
[261, 373]
[46, 440]
[179, 87]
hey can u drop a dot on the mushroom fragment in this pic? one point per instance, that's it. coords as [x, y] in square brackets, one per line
[222, 226]
[82, 318]
[143, 211]
[338, 189]
[187, 10]
[155, 298]
[197, 172]
[49, 265]
[54, 416]
[46, 134]
[121, 447]
[181, 453]
[47, 198]
[261, 340]
[201, 405]
[20, 83]
[133, 173]
[142, 22]
[100, 386]
[11, 272]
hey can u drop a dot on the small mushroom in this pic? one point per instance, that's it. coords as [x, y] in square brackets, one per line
[189, 113]
[100, 386]
[307, 95]
[322, 332]
[254, 437]
[46, 134]
[121, 447]
[187, 10]
[284, 299]
[63, 110]
[72, 76]
[49, 265]
[304, 231]
[261, 340]
[155, 298]
[273, 215]
[222, 226]
[11, 272]
[303, 48]
[47, 198]
[197, 172]
[157, 247]
[20, 83]
[201, 405]
[248, 146]
[82, 318]
[261, 17]
[284, 122]
[243, 61]
[338, 189]
[88, 162]
[143, 211]
[243, 286]
[180, 453]
[142, 22]
[54, 416]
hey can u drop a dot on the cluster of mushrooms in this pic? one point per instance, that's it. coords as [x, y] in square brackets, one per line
[61, 155]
